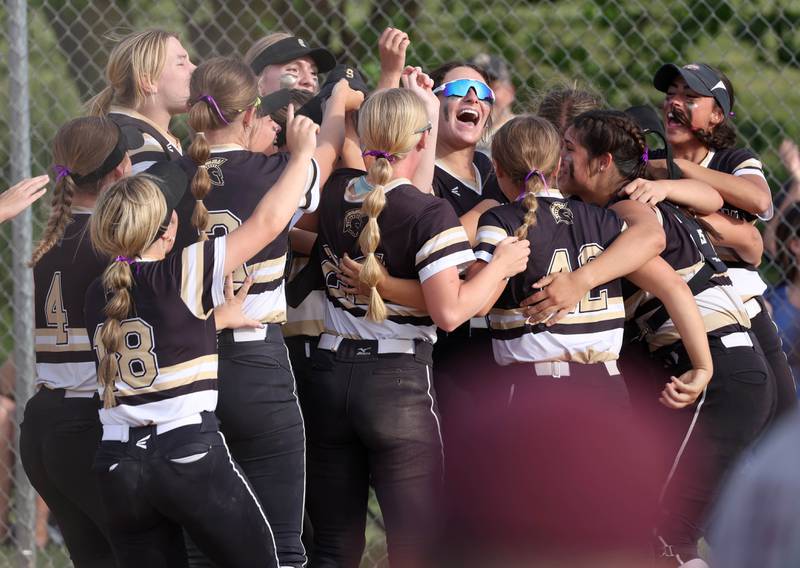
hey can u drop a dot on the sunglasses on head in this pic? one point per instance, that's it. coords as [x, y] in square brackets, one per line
[460, 88]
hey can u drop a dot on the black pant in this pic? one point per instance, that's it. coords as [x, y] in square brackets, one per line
[260, 416]
[301, 349]
[372, 420]
[706, 439]
[58, 439]
[766, 331]
[155, 485]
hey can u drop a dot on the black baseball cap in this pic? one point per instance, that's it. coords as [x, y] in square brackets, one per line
[313, 108]
[129, 138]
[173, 183]
[700, 77]
[289, 49]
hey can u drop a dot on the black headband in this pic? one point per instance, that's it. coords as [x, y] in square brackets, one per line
[127, 139]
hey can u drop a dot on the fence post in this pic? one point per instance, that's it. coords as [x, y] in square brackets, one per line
[20, 155]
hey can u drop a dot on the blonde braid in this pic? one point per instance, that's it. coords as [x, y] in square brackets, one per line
[530, 204]
[117, 278]
[380, 173]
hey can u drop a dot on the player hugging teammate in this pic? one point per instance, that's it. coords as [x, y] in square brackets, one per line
[575, 264]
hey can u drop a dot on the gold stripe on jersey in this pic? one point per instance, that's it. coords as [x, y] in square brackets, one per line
[440, 241]
[711, 320]
[268, 270]
[166, 378]
[46, 340]
[512, 319]
[749, 163]
[192, 280]
[361, 302]
[490, 235]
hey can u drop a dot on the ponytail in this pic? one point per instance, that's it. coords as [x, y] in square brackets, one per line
[200, 151]
[117, 279]
[534, 183]
[379, 174]
[60, 215]
[100, 104]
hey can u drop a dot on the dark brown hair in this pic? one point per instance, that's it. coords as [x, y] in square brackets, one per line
[81, 146]
[616, 133]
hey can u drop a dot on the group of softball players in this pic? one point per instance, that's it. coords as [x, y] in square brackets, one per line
[236, 341]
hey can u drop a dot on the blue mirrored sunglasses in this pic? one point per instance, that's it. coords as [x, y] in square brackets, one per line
[460, 88]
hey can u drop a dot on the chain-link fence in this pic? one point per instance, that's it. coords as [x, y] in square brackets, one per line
[611, 46]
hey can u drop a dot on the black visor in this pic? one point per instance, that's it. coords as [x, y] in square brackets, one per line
[289, 49]
[173, 183]
[128, 139]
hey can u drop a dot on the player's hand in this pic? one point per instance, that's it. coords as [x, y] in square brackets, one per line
[416, 80]
[647, 191]
[352, 98]
[350, 276]
[511, 256]
[21, 195]
[559, 294]
[392, 46]
[682, 391]
[301, 134]
[230, 315]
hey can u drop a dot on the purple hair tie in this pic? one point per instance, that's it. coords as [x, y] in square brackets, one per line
[210, 101]
[129, 261]
[731, 114]
[61, 172]
[528, 176]
[646, 155]
[379, 154]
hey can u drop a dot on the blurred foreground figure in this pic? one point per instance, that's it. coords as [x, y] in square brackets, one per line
[556, 480]
[757, 522]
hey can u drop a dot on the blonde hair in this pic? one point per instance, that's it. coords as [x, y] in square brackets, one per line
[527, 146]
[81, 146]
[126, 221]
[390, 121]
[136, 59]
[263, 43]
[233, 88]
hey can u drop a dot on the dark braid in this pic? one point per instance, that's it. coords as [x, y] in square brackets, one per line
[613, 132]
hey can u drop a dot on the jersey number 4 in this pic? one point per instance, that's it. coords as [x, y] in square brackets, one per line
[138, 365]
[560, 262]
[54, 311]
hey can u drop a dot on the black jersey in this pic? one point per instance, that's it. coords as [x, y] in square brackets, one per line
[64, 356]
[159, 145]
[168, 365]
[464, 195]
[567, 234]
[239, 179]
[719, 304]
[737, 162]
[419, 237]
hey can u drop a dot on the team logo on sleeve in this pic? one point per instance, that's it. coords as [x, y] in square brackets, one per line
[214, 168]
[354, 221]
[561, 212]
